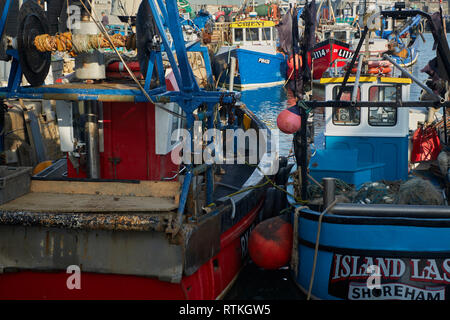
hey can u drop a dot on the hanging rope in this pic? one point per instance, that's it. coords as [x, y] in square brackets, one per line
[316, 248]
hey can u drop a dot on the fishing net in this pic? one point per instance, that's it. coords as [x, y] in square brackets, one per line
[374, 193]
[418, 191]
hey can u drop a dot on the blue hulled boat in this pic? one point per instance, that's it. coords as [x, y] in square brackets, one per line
[378, 226]
[257, 61]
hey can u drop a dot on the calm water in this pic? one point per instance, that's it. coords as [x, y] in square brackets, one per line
[267, 103]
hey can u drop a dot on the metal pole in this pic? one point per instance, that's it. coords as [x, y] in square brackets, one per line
[391, 210]
[233, 68]
[91, 127]
[304, 155]
[329, 187]
[413, 78]
[352, 63]
[356, 84]
[445, 124]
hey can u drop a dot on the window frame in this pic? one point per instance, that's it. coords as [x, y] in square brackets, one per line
[334, 115]
[398, 91]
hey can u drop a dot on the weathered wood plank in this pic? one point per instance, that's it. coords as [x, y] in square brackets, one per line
[85, 203]
[161, 189]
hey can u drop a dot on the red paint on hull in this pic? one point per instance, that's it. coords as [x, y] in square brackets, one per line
[327, 52]
[207, 283]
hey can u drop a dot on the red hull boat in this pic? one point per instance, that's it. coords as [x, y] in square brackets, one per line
[329, 53]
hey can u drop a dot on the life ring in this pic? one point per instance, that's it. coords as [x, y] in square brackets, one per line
[290, 65]
[382, 63]
[379, 70]
[375, 67]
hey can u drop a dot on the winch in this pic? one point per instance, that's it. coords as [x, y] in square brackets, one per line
[35, 45]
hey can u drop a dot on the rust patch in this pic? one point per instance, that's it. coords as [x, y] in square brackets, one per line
[89, 221]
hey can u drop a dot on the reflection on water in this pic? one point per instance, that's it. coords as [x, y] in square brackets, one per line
[267, 103]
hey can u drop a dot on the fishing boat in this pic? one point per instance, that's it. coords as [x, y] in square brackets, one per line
[125, 215]
[338, 39]
[368, 213]
[387, 240]
[251, 60]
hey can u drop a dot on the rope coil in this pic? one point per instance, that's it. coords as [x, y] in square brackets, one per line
[77, 43]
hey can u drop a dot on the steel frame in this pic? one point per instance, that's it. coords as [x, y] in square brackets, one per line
[189, 98]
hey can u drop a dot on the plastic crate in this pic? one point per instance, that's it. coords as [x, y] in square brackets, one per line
[14, 182]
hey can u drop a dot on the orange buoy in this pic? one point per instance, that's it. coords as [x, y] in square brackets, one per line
[290, 66]
[270, 243]
[289, 120]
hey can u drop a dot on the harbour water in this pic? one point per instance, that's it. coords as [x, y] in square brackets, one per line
[255, 283]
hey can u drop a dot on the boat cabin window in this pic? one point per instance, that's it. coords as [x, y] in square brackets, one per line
[386, 116]
[385, 93]
[340, 35]
[348, 10]
[265, 32]
[238, 35]
[251, 34]
[346, 116]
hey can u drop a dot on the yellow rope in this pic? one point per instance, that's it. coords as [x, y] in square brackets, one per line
[66, 42]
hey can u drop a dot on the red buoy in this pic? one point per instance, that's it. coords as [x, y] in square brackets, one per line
[289, 120]
[270, 243]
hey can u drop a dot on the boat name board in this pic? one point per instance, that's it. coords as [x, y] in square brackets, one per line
[317, 54]
[341, 53]
[360, 277]
[252, 24]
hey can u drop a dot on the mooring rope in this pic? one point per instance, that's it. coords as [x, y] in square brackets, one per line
[316, 248]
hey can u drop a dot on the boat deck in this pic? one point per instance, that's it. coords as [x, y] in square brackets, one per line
[53, 196]
[87, 203]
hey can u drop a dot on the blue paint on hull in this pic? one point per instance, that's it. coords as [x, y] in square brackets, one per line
[412, 243]
[255, 68]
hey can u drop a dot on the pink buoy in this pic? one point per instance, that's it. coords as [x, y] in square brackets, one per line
[289, 120]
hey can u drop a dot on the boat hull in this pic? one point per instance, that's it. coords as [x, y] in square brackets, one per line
[410, 253]
[325, 55]
[210, 281]
[98, 252]
[255, 69]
